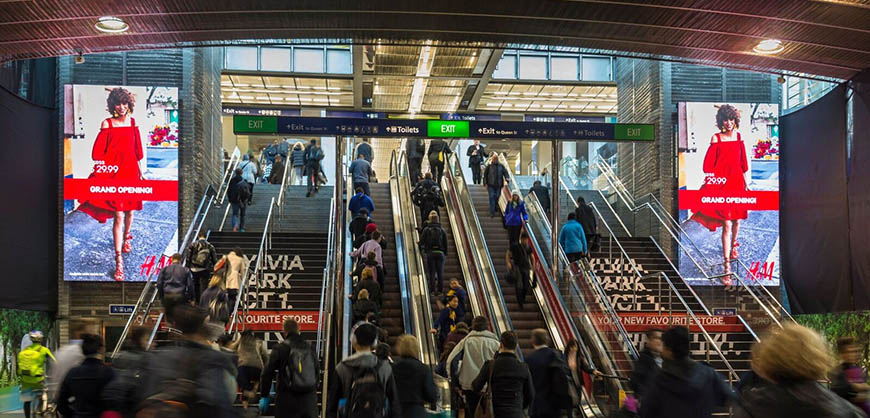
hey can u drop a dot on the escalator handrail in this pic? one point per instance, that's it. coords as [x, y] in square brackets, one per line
[347, 288]
[401, 250]
[502, 322]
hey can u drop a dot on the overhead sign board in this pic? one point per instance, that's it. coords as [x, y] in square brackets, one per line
[443, 129]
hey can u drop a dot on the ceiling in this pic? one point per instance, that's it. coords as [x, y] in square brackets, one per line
[286, 91]
[828, 38]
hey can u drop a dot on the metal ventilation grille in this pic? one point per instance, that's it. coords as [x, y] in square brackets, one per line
[519, 97]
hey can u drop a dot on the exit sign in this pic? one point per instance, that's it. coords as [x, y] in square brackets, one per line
[633, 132]
[255, 124]
[447, 129]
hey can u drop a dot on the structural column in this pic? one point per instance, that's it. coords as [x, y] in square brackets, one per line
[554, 206]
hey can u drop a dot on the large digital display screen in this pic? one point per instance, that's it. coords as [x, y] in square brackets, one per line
[120, 186]
[729, 191]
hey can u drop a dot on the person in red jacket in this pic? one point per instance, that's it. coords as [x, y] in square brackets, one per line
[116, 155]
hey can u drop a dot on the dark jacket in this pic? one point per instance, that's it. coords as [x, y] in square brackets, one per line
[340, 387]
[495, 175]
[81, 390]
[358, 226]
[425, 195]
[543, 195]
[360, 201]
[277, 173]
[210, 294]
[415, 148]
[446, 322]
[512, 387]
[645, 368]
[456, 336]
[436, 146]
[542, 363]
[416, 385]
[232, 190]
[365, 149]
[208, 368]
[297, 157]
[793, 400]
[433, 238]
[586, 216]
[313, 155]
[476, 159]
[686, 389]
[177, 279]
[463, 300]
[123, 394]
[362, 307]
[287, 403]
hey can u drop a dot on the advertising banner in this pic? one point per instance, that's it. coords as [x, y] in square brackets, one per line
[120, 188]
[729, 190]
[261, 320]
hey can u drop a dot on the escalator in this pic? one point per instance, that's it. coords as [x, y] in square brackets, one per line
[392, 319]
[530, 317]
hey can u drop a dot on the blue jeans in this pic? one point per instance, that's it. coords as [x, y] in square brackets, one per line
[494, 193]
[238, 216]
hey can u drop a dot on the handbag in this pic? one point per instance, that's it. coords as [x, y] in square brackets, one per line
[484, 408]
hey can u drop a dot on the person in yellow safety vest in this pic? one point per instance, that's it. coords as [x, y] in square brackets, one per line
[31, 368]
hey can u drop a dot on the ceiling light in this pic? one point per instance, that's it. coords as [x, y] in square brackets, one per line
[111, 24]
[769, 47]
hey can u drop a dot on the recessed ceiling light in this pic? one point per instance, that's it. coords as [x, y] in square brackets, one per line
[111, 24]
[769, 46]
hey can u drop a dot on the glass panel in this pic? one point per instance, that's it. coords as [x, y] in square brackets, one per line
[533, 67]
[242, 58]
[506, 68]
[596, 69]
[563, 68]
[275, 59]
[308, 60]
[338, 61]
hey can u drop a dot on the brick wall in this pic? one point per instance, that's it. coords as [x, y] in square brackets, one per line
[196, 72]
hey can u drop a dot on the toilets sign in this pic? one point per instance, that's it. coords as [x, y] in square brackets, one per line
[420, 128]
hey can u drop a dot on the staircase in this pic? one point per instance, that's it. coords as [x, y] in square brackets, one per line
[391, 311]
[496, 236]
[651, 297]
[301, 214]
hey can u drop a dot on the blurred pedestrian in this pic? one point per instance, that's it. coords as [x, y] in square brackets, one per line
[81, 390]
[850, 379]
[215, 301]
[296, 394]
[550, 377]
[791, 362]
[519, 264]
[123, 394]
[648, 364]
[252, 357]
[684, 388]
[414, 379]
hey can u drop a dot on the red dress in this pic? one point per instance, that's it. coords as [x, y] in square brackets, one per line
[120, 150]
[725, 161]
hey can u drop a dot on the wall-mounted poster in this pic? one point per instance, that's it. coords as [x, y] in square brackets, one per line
[729, 191]
[120, 185]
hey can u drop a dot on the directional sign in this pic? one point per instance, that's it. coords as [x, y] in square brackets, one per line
[443, 129]
[121, 309]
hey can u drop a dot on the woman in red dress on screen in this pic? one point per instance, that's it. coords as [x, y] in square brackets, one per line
[116, 155]
[725, 168]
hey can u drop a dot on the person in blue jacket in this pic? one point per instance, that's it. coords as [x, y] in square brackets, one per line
[359, 201]
[514, 217]
[572, 238]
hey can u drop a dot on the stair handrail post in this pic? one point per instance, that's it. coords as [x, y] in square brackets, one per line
[243, 287]
[133, 315]
[231, 168]
[156, 328]
[185, 242]
[281, 194]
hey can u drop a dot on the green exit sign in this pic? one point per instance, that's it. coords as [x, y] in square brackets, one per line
[447, 129]
[634, 132]
[255, 124]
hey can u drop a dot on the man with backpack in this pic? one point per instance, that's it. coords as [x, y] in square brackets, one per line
[201, 258]
[238, 193]
[433, 241]
[31, 368]
[313, 155]
[297, 368]
[472, 352]
[550, 377]
[427, 196]
[364, 386]
[415, 148]
[174, 285]
[439, 150]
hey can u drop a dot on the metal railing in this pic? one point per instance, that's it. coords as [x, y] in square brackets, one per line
[758, 292]
[327, 293]
[259, 264]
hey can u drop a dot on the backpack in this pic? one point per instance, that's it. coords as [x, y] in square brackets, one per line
[218, 310]
[243, 191]
[201, 255]
[31, 363]
[431, 239]
[438, 157]
[300, 371]
[177, 395]
[367, 395]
